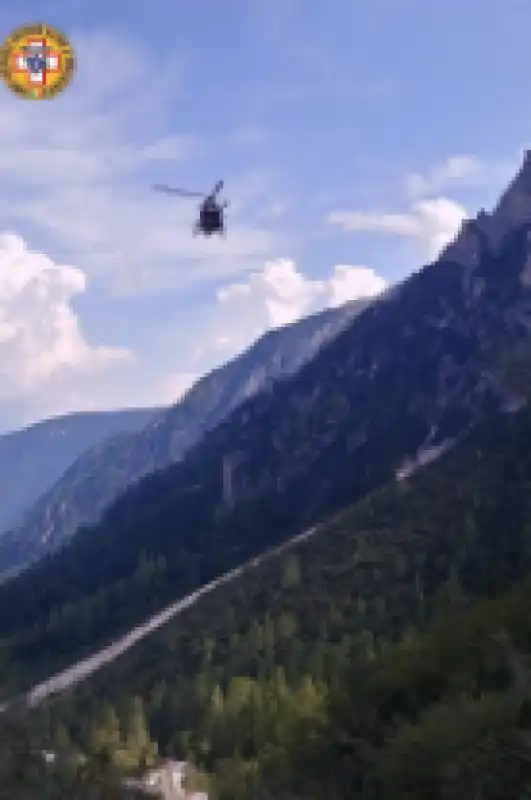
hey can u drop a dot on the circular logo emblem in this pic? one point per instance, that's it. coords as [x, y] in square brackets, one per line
[36, 62]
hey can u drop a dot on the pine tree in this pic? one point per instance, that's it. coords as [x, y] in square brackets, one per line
[140, 748]
[104, 736]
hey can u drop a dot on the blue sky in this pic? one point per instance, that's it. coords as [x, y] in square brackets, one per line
[352, 136]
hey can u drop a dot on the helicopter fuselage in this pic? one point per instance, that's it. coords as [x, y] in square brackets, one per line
[210, 218]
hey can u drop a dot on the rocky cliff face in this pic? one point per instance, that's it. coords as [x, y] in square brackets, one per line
[409, 376]
[487, 231]
[99, 475]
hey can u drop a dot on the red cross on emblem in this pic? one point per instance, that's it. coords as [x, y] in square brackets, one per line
[21, 62]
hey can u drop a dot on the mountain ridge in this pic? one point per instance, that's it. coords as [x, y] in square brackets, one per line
[492, 447]
[32, 458]
[441, 346]
[98, 475]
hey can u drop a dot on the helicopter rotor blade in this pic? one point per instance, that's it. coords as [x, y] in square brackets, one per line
[161, 187]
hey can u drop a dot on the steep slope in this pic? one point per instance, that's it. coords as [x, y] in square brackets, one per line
[410, 375]
[460, 528]
[33, 459]
[378, 566]
[101, 474]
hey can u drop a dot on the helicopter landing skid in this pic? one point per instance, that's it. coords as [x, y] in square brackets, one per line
[196, 230]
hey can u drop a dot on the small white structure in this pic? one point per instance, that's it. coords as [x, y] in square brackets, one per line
[167, 782]
[168, 777]
[49, 756]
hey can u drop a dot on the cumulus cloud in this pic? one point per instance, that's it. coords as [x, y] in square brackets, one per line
[40, 336]
[279, 294]
[431, 222]
[352, 283]
[47, 365]
[433, 219]
[440, 176]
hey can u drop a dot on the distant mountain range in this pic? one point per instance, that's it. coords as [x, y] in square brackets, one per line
[94, 476]
[409, 377]
[32, 459]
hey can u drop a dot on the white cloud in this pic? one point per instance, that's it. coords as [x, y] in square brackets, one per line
[432, 222]
[280, 293]
[439, 177]
[274, 296]
[41, 342]
[172, 387]
[439, 221]
[433, 219]
[47, 366]
[351, 283]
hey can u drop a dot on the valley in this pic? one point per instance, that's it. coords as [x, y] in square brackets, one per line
[325, 611]
[99, 474]
[332, 572]
[265, 401]
[309, 445]
[33, 459]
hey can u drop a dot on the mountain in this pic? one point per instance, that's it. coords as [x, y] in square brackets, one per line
[99, 475]
[409, 377]
[433, 543]
[390, 561]
[33, 459]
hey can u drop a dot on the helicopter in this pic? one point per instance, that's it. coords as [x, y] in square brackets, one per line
[211, 210]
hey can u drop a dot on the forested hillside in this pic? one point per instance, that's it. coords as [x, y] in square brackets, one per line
[441, 346]
[441, 715]
[25, 773]
[287, 678]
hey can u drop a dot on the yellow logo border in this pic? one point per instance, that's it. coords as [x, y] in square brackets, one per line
[40, 31]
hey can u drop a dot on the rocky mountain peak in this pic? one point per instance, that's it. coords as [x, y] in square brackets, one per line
[486, 232]
[514, 207]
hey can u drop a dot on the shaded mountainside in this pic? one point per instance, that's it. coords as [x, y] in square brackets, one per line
[310, 630]
[411, 374]
[33, 459]
[104, 472]
[460, 527]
